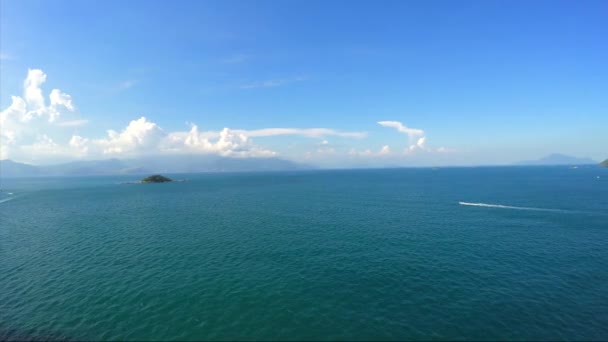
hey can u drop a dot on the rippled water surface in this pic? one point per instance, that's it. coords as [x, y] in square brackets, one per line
[369, 254]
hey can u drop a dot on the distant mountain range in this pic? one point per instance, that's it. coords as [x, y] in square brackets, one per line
[162, 164]
[559, 159]
[199, 163]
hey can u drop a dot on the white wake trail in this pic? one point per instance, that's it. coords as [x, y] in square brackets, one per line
[509, 207]
[6, 199]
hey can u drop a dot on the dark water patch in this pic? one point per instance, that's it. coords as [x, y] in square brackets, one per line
[7, 334]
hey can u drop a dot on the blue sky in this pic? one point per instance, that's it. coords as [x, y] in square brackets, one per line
[480, 82]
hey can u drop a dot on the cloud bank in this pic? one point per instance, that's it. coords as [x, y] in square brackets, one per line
[33, 131]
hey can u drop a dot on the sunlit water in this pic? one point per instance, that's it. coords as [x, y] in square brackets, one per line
[369, 254]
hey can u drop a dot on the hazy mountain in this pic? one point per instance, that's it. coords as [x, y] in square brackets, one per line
[559, 159]
[604, 163]
[162, 164]
[89, 167]
[9, 168]
[211, 163]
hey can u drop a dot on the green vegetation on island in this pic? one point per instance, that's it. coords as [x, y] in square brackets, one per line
[156, 179]
[604, 163]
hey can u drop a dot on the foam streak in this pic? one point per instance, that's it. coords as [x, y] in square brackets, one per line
[508, 207]
[6, 199]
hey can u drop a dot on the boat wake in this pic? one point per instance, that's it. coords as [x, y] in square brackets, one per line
[6, 196]
[6, 199]
[510, 207]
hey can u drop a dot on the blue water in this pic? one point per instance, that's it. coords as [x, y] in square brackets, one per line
[358, 254]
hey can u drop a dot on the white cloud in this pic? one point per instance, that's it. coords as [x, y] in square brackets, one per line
[32, 105]
[32, 91]
[33, 130]
[233, 143]
[15, 112]
[28, 116]
[368, 153]
[227, 142]
[7, 140]
[79, 144]
[385, 150]
[143, 136]
[419, 145]
[140, 136]
[306, 132]
[411, 132]
[416, 137]
[72, 123]
[59, 99]
[44, 146]
[325, 148]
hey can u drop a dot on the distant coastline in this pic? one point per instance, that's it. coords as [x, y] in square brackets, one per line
[215, 164]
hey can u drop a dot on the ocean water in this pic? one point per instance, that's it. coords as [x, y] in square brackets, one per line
[512, 253]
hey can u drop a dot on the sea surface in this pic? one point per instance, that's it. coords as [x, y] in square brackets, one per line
[489, 253]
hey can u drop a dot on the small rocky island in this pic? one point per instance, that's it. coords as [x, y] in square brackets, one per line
[156, 179]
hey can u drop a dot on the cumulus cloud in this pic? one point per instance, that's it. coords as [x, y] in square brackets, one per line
[28, 116]
[419, 145]
[140, 135]
[35, 127]
[385, 150]
[227, 142]
[368, 153]
[58, 100]
[43, 147]
[363, 153]
[143, 136]
[15, 112]
[31, 88]
[33, 105]
[31, 130]
[416, 138]
[79, 144]
[325, 148]
[61, 99]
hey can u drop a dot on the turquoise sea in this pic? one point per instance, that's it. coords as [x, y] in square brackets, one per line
[492, 253]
